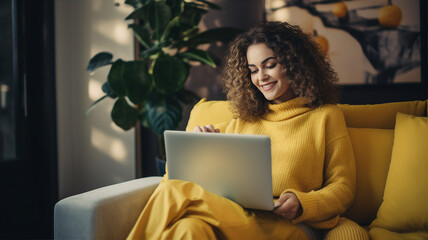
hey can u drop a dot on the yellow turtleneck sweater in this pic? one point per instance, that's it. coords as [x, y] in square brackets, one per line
[312, 157]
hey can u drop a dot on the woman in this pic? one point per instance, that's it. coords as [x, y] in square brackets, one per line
[279, 85]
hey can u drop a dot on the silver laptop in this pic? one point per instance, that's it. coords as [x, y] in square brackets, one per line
[235, 166]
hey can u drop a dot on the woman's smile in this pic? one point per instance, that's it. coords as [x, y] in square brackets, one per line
[268, 86]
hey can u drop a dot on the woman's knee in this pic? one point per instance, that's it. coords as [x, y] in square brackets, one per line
[173, 187]
[347, 229]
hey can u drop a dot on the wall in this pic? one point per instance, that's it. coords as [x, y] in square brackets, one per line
[92, 151]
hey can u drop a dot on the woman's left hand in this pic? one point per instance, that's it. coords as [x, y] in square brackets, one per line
[288, 206]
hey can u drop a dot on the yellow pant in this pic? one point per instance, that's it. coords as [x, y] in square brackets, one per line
[184, 210]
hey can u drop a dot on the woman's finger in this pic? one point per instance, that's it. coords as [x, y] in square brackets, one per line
[210, 128]
[204, 129]
[197, 129]
[213, 130]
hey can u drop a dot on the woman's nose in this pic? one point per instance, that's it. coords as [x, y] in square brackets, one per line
[263, 76]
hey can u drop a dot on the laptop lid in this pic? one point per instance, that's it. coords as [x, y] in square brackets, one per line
[235, 166]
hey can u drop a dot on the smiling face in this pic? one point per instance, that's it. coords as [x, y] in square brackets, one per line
[266, 74]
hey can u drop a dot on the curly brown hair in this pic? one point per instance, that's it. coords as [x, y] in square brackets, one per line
[309, 72]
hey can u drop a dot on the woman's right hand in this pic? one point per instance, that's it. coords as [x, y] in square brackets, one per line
[206, 128]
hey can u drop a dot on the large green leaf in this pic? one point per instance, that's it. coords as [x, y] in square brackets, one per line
[159, 16]
[99, 60]
[142, 34]
[163, 112]
[223, 34]
[115, 77]
[124, 115]
[199, 55]
[169, 74]
[137, 81]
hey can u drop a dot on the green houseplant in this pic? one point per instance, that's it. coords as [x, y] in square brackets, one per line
[150, 90]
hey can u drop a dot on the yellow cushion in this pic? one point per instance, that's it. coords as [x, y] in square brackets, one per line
[380, 115]
[382, 234]
[209, 112]
[405, 201]
[372, 149]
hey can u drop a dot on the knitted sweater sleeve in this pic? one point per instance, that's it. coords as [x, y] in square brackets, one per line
[322, 207]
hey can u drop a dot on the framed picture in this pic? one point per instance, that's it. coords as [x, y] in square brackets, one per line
[367, 41]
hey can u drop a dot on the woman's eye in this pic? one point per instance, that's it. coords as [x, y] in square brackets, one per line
[253, 72]
[271, 66]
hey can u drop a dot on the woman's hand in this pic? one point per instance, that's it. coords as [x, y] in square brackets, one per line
[288, 206]
[206, 128]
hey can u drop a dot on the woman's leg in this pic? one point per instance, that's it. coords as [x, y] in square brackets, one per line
[347, 229]
[189, 228]
[176, 200]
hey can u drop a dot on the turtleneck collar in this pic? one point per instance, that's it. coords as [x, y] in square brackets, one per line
[286, 110]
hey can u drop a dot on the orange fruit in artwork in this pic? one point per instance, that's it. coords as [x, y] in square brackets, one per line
[322, 44]
[340, 10]
[390, 16]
